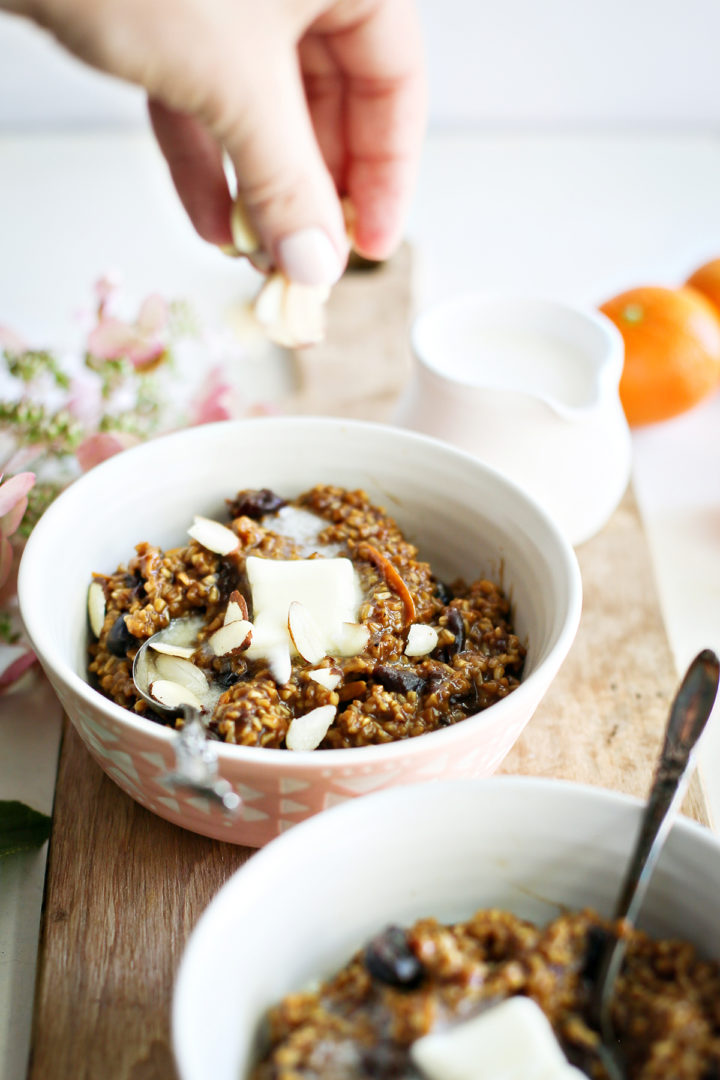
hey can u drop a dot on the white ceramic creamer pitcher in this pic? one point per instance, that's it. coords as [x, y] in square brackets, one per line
[530, 387]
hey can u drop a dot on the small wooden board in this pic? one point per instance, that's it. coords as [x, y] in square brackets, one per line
[125, 888]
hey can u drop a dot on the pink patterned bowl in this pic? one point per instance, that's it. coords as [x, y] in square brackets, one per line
[466, 519]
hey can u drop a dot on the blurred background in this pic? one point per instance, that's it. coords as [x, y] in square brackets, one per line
[560, 65]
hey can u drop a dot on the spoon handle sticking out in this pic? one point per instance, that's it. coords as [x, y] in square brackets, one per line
[688, 716]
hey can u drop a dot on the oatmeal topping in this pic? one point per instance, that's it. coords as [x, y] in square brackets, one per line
[406, 985]
[292, 607]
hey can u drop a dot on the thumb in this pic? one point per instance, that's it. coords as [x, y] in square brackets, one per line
[283, 182]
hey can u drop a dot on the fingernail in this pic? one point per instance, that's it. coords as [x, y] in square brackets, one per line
[309, 257]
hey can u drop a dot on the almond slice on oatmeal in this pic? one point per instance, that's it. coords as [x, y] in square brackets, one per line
[330, 678]
[280, 664]
[183, 651]
[178, 670]
[213, 536]
[172, 695]
[305, 633]
[306, 732]
[353, 638]
[97, 607]
[421, 640]
[237, 608]
[233, 637]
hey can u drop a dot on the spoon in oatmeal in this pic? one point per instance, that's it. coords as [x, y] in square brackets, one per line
[166, 679]
[688, 716]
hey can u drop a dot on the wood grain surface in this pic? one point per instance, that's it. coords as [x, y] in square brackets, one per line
[125, 888]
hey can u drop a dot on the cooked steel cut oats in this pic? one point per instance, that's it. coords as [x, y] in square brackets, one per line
[385, 692]
[404, 984]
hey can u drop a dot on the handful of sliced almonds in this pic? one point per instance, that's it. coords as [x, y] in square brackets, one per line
[291, 314]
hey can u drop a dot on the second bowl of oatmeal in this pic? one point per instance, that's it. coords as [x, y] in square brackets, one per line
[422, 636]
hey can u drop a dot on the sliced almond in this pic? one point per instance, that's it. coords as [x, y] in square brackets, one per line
[280, 664]
[304, 313]
[391, 575]
[306, 732]
[177, 670]
[305, 633]
[330, 678]
[96, 607]
[421, 640]
[231, 638]
[237, 608]
[269, 302]
[353, 638]
[292, 314]
[213, 536]
[172, 694]
[183, 651]
[243, 234]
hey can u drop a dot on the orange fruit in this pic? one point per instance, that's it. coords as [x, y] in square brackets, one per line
[672, 350]
[707, 281]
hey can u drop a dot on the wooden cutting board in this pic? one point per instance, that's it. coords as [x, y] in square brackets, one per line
[124, 888]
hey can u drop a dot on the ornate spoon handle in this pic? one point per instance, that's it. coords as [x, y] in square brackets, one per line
[689, 713]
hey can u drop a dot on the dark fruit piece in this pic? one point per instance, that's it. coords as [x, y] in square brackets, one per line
[255, 504]
[443, 593]
[456, 626]
[389, 958]
[384, 1061]
[119, 640]
[228, 678]
[398, 678]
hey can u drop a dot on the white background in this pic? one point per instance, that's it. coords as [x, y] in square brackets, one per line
[570, 63]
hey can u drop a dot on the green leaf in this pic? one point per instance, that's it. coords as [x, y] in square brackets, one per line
[21, 827]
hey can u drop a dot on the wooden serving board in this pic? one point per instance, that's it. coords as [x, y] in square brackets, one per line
[125, 888]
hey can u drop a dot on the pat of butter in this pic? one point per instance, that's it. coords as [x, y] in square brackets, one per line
[510, 1041]
[328, 588]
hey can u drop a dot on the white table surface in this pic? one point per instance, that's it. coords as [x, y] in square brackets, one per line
[571, 217]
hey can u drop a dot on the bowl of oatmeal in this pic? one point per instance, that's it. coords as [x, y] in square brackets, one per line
[350, 606]
[447, 900]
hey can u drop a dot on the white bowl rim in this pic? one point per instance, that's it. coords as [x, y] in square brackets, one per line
[230, 894]
[231, 752]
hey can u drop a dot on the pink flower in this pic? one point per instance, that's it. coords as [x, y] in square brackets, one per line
[103, 445]
[13, 504]
[85, 402]
[142, 343]
[104, 288]
[10, 341]
[214, 403]
[16, 668]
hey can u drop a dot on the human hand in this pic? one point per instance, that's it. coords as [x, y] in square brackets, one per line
[311, 99]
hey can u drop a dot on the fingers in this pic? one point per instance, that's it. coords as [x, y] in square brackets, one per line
[195, 161]
[382, 61]
[324, 89]
[282, 178]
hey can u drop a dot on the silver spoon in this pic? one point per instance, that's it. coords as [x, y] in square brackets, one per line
[689, 713]
[196, 756]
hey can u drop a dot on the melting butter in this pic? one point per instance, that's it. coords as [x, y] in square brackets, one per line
[510, 1041]
[328, 588]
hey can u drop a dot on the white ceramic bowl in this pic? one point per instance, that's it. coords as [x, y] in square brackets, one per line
[465, 518]
[298, 910]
